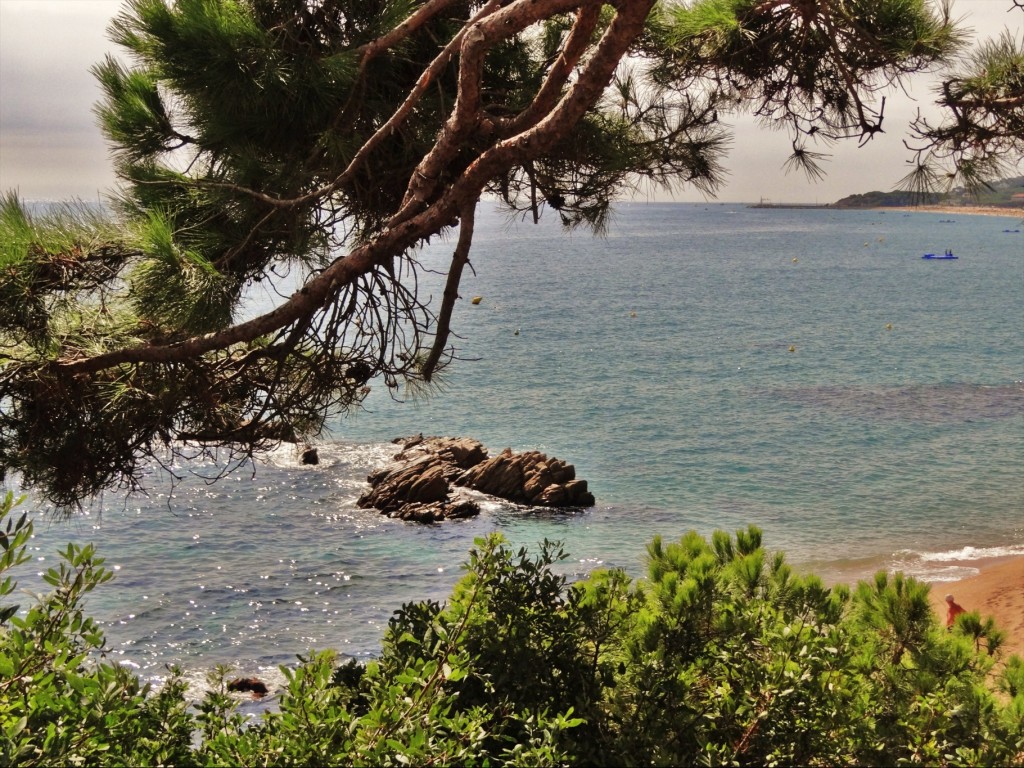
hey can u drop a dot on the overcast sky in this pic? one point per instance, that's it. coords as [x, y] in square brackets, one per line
[51, 147]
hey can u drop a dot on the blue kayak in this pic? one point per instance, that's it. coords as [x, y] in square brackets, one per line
[940, 256]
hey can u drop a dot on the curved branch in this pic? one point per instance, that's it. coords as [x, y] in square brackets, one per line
[313, 295]
[374, 48]
[389, 127]
[451, 291]
[480, 36]
[626, 26]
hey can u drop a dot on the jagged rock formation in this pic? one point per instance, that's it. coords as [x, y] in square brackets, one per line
[424, 481]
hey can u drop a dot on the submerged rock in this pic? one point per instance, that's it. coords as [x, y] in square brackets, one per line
[423, 483]
[249, 684]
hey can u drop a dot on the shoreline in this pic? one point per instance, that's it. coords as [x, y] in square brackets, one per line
[991, 583]
[1009, 212]
[996, 591]
[967, 210]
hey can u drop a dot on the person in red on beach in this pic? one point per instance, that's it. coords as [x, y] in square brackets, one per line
[953, 610]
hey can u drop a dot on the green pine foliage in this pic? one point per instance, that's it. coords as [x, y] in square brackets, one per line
[51, 260]
[721, 656]
[179, 288]
[981, 137]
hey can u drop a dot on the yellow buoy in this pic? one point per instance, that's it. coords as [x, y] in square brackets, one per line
[477, 299]
[632, 314]
[795, 259]
[888, 326]
[792, 348]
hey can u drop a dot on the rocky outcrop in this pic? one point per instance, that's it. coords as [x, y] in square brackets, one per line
[529, 478]
[426, 479]
[252, 685]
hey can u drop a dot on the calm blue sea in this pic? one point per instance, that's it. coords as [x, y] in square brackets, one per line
[703, 366]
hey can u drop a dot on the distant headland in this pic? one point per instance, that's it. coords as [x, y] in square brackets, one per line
[1002, 196]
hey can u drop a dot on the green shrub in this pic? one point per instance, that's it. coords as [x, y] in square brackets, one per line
[58, 704]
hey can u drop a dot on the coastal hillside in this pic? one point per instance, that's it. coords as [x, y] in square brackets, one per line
[1005, 193]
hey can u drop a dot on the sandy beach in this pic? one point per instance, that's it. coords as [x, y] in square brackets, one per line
[967, 210]
[998, 591]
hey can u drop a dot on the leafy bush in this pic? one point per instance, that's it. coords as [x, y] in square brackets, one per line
[58, 704]
[721, 656]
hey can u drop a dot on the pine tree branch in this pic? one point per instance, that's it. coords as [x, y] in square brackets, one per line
[480, 36]
[575, 45]
[319, 291]
[425, 13]
[460, 258]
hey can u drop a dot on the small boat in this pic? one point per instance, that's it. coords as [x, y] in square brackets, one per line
[940, 257]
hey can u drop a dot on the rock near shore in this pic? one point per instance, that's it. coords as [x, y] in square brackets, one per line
[426, 479]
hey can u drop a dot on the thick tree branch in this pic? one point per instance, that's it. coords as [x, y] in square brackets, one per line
[421, 16]
[575, 45]
[399, 116]
[481, 36]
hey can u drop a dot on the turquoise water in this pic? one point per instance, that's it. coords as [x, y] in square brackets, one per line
[702, 366]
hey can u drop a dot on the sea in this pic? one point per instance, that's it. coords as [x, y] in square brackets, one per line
[703, 366]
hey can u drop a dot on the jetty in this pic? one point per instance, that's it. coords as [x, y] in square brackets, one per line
[763, 203]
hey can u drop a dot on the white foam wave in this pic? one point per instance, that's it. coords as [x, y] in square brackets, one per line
[488, 503]
[198, 684]
[971, 553]
[938, 574]
[949, 565]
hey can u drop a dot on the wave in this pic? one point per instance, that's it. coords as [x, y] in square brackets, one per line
[972, 553]
[929, 566]
[951, 564]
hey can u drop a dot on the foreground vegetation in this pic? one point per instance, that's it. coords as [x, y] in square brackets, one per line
[721, 656]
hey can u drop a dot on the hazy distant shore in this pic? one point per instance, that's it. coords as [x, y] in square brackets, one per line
[967, 210]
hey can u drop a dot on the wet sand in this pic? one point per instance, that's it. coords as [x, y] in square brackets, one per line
[998, 591]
